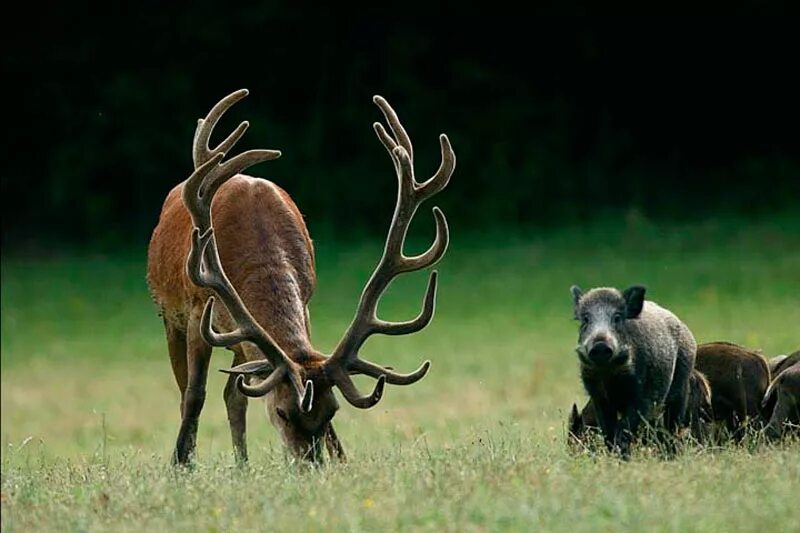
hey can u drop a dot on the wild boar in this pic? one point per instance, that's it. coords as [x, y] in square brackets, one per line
[635, 360]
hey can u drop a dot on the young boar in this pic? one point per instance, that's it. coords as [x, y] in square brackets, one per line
[784, 393]
[698, 413]
[636, 358]
[780, 363]
[739, 378]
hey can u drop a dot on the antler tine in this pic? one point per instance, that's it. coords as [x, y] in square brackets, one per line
[200, 150]
[262, 388]
[399, 131]
[353, 396]
[417, 324]
[248, 159]
[441, 178]
[221, 340]
[393, 262]
[392, 378]
[235, 166]
[205, 268]
[387, 140]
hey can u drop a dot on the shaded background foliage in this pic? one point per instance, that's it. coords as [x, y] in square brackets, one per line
[552, 120]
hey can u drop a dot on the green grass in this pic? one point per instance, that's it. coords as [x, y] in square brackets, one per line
[90, 410]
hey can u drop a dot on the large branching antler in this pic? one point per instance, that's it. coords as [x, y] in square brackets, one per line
[411, 194]
[204, 266]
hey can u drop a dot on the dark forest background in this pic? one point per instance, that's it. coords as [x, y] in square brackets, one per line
[553, 120]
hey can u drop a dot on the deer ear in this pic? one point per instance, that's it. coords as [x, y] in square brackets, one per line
[634, 300]
[261, 368]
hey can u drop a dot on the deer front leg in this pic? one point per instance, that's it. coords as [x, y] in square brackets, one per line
[236, 404]
[333, 445]
[198, 354]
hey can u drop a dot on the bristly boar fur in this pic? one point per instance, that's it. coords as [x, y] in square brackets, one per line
[739, 378]
[636, 358]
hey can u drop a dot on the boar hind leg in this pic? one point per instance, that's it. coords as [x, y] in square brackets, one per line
[678, 397]
[676, 405]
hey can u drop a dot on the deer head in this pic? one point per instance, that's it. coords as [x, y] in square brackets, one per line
[299, 389]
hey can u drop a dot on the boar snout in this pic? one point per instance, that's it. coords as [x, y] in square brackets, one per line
[598, 349]
[601, 352]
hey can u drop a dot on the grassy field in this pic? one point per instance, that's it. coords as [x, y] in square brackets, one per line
[90, 409]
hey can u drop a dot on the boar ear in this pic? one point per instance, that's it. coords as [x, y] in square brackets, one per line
[576, 294]
[575, 421]
[634, 300]
[574, 414]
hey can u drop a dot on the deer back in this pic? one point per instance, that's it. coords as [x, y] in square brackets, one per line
[264, 247]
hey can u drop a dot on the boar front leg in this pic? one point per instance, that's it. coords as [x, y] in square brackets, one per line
[607, 418]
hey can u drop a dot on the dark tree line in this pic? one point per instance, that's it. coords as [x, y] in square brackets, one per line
[552, 119]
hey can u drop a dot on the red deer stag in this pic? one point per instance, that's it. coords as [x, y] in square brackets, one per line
[251, 250]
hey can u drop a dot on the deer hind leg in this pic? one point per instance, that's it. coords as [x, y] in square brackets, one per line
[198, 354]
[236, 404]
[176, 344]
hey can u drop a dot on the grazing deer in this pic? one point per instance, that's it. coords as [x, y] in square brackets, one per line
[242, 240]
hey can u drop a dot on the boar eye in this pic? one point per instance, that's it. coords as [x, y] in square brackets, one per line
[282, 414]
[618, 318]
